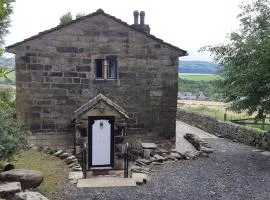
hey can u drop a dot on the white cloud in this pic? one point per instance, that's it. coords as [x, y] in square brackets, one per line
[187, 24]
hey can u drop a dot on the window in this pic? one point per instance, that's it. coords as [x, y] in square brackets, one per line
[112, 69]
[106, 68]
[99, 68]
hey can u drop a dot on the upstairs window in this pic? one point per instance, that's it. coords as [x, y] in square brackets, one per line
[99, 68]
[106, 68]
[112, 69]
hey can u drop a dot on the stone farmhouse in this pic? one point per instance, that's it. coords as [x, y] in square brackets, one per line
[99, 81]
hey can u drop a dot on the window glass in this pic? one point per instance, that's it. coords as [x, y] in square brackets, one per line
[99, 68]
[112, 68]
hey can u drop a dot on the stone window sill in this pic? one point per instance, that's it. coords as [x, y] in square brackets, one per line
[105, 81]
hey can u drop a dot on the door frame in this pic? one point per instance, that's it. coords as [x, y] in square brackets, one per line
[91, 120]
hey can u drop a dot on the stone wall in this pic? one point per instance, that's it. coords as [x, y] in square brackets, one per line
[55, 75]
[226, 129]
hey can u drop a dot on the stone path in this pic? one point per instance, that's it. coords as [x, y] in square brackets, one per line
[182, 145]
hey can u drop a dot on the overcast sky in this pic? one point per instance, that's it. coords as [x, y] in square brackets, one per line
[188, 24]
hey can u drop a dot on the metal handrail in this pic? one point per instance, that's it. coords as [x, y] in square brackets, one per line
[126, 158]
[84, 160]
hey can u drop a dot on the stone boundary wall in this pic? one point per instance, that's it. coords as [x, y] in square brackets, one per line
[228, 130]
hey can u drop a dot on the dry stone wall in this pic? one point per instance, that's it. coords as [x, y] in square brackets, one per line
[226, 129]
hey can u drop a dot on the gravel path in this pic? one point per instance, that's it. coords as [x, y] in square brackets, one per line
[233, 172]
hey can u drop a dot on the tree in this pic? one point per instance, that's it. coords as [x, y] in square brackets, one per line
[3, 72]
[67, 17]
[5, 11]
[13, 133]
[246, 61]
[12, 130]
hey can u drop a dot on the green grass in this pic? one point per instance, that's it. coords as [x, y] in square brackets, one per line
[54, 170]
[199, 77]
[218, 113]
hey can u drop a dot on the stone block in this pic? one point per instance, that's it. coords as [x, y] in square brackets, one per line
[27, 195]
[149, 145]
[67, 49]
[57, 74]
[9, 188]
[86, 61]
[75, 175]
[35, 67]
[27, 178]
[83, 68]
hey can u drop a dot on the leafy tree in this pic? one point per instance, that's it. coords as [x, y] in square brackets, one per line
[5, 11]
[246, 61]
[67, 17]
[13, 134]
[12, 130]
[4, 72]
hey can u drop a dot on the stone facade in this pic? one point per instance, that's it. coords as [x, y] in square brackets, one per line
[228, 130]
[55, 74]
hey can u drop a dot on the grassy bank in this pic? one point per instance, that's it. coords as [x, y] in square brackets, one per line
[54, 170]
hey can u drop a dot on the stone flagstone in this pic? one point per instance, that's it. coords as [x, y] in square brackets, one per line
[140, 178]
[106, 182]
[149, 146]
[75, 175]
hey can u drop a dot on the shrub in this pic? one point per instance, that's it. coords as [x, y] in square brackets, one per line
[13, 133]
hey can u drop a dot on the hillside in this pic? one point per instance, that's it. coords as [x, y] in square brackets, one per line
[7, 62]
[198, 67]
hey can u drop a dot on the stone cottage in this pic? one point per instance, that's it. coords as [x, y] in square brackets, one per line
[98, 80]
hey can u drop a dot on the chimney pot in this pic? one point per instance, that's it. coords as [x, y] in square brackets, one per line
[142, 15]
[136, 17]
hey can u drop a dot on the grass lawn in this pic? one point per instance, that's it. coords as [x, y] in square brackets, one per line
[54, 170]
[200, 77]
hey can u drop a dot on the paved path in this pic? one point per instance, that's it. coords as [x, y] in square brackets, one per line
[233, 172]
[182, 145]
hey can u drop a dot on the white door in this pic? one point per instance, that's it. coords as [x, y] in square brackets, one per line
[101, 143]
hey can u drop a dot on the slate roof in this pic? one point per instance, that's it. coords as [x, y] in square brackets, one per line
[94, 101]
[98, 12]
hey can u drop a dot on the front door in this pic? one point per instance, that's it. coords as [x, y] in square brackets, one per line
[101, 141]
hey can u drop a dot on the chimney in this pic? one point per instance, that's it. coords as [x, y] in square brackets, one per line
[142, 26]
[136, 17]
[142, 15]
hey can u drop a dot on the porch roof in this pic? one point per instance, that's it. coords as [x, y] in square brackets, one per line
[94, 101]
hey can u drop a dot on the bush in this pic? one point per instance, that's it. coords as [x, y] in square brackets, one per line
[13, 133]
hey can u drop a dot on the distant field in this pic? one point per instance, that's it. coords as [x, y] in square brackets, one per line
[11, 75]
[199, 77]
[217, 110]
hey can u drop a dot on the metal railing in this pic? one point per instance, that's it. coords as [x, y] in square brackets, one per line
[84, 167]
[126, 160]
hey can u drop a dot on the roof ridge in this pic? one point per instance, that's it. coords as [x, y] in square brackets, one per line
[97, 12]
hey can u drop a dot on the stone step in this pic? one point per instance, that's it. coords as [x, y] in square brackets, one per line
[106, 182]
[140, 178]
